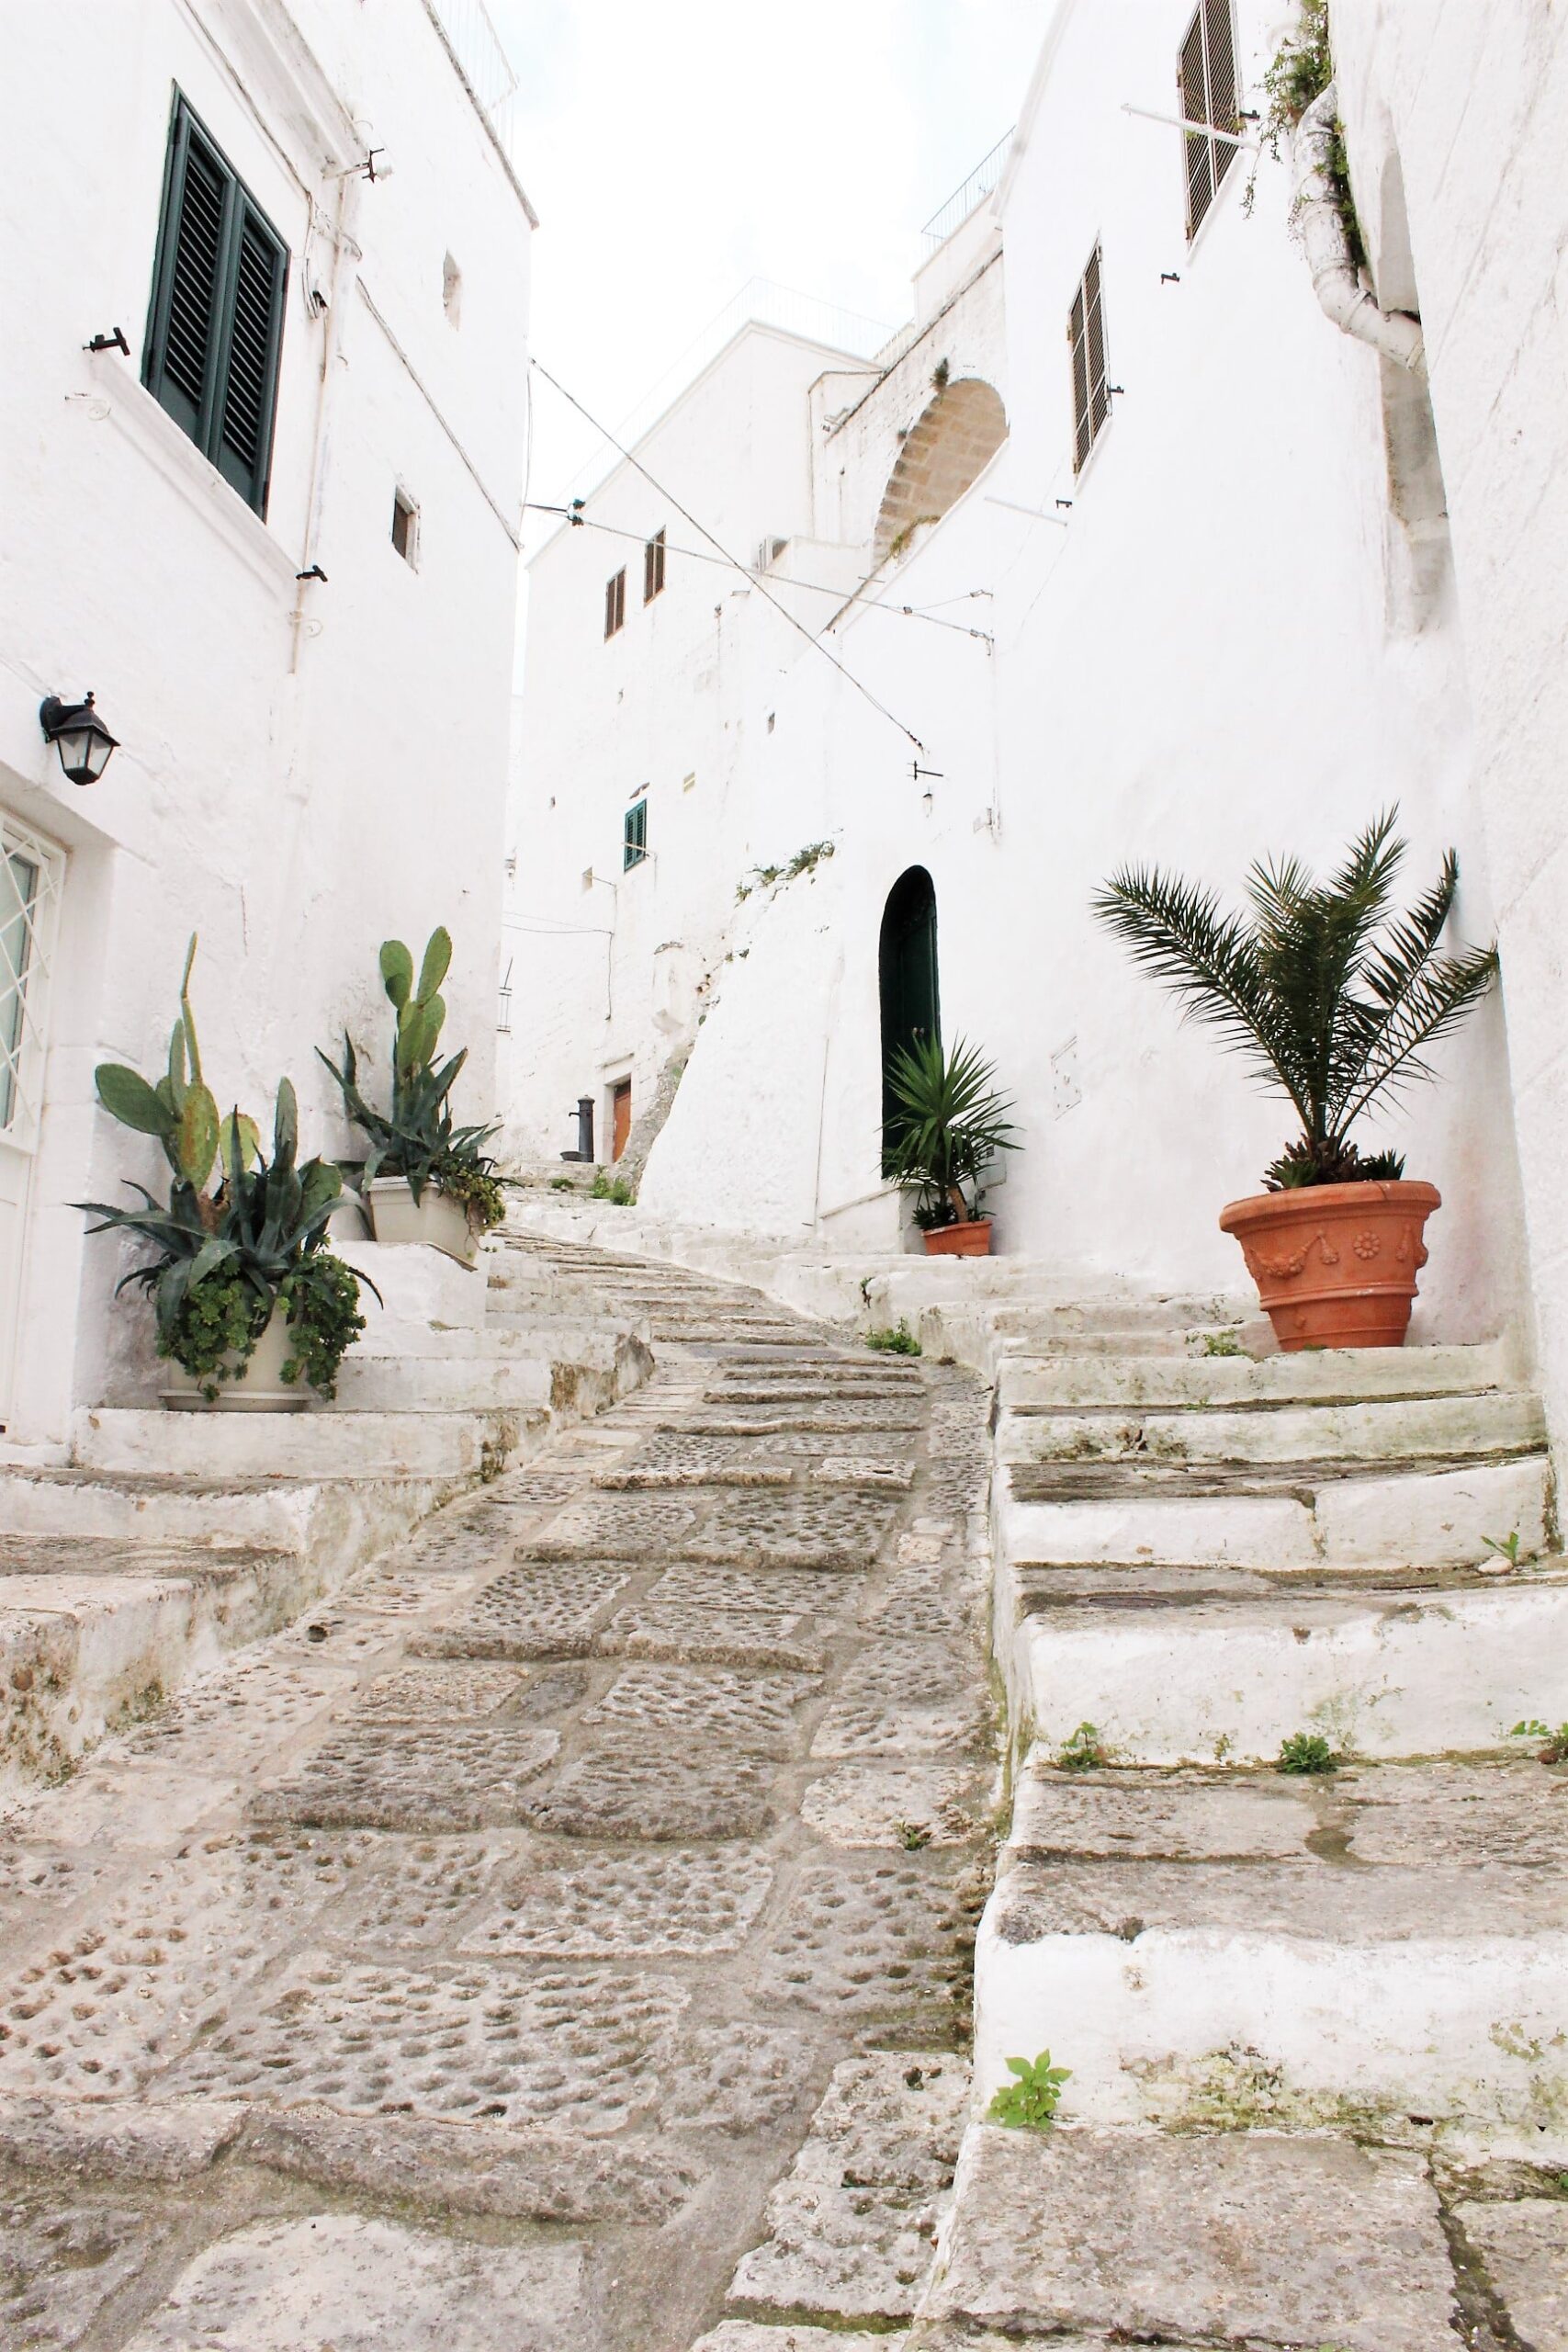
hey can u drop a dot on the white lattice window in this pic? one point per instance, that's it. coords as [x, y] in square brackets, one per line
[31, 870]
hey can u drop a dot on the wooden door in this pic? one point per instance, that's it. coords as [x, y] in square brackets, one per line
[620, 1116]
[907, 971]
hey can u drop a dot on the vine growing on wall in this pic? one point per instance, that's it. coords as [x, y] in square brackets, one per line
[773, 877]
[1300, 71]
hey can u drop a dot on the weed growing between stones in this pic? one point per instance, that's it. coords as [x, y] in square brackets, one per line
[605, 1187]
[1306, 1751]
[1555, 1750]
[899, 1342]
[1222, 1343]
[913, 1836]
[1030, 2104]
[1084, 1752]
[1506, 1547]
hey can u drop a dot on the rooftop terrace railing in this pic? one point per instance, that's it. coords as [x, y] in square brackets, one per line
[971, 192]
[481, 58]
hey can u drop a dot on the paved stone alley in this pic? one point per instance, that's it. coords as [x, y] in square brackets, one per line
[563, 1938]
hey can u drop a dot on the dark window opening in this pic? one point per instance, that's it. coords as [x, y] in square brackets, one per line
[614, 604]
[405, 526]
[1086, 333]
[906, 969]
[215, 327]
[634, 837]
[1206, 80]
[653, 568]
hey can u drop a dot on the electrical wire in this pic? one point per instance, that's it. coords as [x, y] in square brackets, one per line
[814, 587]
[767, 594]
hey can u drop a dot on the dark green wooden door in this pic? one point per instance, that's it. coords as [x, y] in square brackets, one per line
[911, 1000]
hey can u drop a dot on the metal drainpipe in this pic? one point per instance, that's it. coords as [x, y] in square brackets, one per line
[1335, 279]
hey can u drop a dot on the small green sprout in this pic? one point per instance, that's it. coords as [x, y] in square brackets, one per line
[1084, 1752]
[1307, 1751]
[913, 1835]
[1222, 1343]
[1555, 1737]
[1030, 2104]
[901, 1343]
[1506, 1547]
[611, 1188]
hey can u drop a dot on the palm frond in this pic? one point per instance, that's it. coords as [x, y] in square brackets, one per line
[1435, 1004]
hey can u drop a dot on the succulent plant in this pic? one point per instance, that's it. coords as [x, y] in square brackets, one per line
[180, 1110]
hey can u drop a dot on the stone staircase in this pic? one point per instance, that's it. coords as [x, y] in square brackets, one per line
[1317, 2024]
[166, 1539]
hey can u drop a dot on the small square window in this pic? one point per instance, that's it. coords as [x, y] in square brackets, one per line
[633, 840]
[614, 604]
[405, 527]
[653, 568]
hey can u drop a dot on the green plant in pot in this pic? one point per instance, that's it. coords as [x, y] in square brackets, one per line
[948, 1124]
[426, 1178]
[252, 1305]
[1334, 997]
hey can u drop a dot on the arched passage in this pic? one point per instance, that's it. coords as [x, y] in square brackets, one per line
[907, 967]
[943, 453]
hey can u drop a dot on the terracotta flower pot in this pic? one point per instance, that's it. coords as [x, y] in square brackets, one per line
[1336, 1264]
[972, 1239]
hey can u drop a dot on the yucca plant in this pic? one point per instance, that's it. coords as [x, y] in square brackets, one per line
[223, 1260]
[1329, 994]
[948, 1123]
[417, 1136]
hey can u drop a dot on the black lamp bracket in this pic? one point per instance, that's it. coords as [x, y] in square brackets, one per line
[115, 342]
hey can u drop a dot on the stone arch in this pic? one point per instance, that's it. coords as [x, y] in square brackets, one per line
[956, 437]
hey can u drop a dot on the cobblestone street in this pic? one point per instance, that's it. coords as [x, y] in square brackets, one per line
[563, 1938]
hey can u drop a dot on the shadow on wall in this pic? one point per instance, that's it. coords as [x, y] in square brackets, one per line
[947, 450]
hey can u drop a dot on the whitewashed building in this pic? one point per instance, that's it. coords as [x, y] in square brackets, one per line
[263, 449]
[1239, 582]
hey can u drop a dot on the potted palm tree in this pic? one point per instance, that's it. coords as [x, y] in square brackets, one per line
[1333, 999]
[254, 1310]
[425, 1179]
[948, 1123]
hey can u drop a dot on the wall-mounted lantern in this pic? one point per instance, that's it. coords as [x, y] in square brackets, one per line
[79, 735]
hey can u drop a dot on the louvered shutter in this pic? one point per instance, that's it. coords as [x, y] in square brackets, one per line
[1220, 42]
[216, 326]
[1086, 333]
[1198, 151]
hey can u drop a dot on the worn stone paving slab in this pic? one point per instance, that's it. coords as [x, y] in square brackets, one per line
[909, 1698]
[827, 1530]
[448, 1776]
[880, 1941]
[531, 1610]
[365, 2285]
[622, 1905]
[416, 1895]
[911, 1805]
[1524, 2247]
[1245, 2238]
[439, 1693]
[61, 2261]
[748, 2336]
[754, 1711]
[663, 1792]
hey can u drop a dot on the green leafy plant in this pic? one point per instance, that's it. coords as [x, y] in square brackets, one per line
[1507, 1547]
[769, 877]
[1555, 1751]
[223, 1261]
[1030, 2103]
[1222, 1343]
[948, 1123]
[913, 1836]
[1330, 996]
[900, 1341]
[1083, 1751]
[417, 1136]
[615, 1189]
[1305, 1752]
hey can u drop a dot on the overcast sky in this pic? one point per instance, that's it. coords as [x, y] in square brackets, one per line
[675, 149]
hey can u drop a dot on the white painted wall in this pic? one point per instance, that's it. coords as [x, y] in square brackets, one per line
[304, 769]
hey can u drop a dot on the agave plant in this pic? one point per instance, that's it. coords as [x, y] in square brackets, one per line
[222, 1261]
[948, 1123]
[180, 1109]
[417, 1136]
[1332, 996]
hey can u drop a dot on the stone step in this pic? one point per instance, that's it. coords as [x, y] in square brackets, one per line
[1379, 1670]
[320, 1443]
[1343, 1950]
[1387, 1431]
[1330, 1376]
[1085, 2237]
[1285, 1515]
[586, 1366]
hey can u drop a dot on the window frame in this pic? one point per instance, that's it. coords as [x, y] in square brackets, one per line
[634, 833]
[1091, 415]
[653, 555]
[205, 420]
[614, 604]
[1206, 161]
[407, 508]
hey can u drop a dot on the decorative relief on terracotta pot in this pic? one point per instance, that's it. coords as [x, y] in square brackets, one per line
[1366, 1245]
[1285, 1270]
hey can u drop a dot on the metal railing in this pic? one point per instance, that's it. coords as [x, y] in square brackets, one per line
[481, 57]
[972, 191]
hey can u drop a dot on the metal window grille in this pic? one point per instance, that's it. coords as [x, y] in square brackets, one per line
[215, 328]
[614, 604]
[653, 568]
[1086, 335]
[32, 872]
[634, 839]
[1206, 82]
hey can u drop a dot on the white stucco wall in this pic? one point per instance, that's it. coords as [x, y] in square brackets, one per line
[304, 768]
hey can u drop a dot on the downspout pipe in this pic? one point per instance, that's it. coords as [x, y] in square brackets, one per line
[1316, 212]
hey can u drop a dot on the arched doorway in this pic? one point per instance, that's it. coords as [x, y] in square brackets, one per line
[911, 1006]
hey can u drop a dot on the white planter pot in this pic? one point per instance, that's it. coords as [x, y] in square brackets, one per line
[260, 1388]
[438, 1222]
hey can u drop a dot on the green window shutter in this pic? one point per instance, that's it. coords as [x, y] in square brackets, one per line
[215, 329]
[633, 840]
